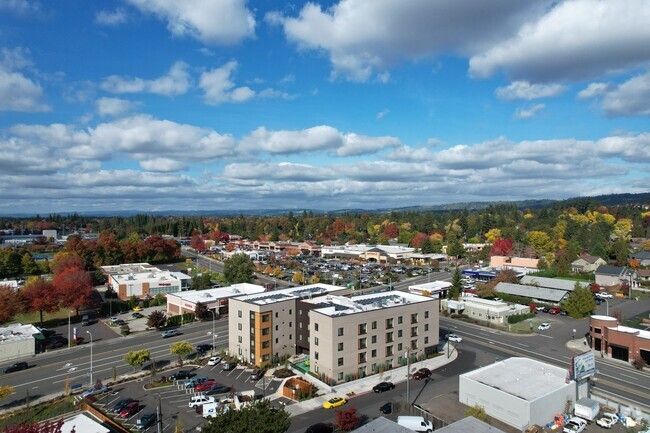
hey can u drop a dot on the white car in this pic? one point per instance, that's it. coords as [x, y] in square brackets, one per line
[455, 338]
[214, 360]
[200, 400]
[575, 425]
[544, 326]
[607, 420]
[604, 295]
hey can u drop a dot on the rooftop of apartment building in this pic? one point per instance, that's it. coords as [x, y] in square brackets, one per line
[301, 292]
[340, 305]
[210, 295]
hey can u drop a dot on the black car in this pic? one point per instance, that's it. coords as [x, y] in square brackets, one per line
[55, 342]
[383, 386]
[47, 332]
[122, 404]
[16, 367]
[136, 315]
[218, 389]
[145, 421]
[204, 348]
[386, 408]
[320, 427]
[181, 374]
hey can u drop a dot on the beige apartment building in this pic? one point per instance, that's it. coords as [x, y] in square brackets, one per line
[262, 327]
[362, 335]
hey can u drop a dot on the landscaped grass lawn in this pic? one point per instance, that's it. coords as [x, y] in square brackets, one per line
[49, 319]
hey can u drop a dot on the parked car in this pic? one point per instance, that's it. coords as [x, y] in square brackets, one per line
[383, 386]
[16, 367]
[113, 320]
[95, 390]
[604, 295]
[257, 374]
[214, 360]
[218, 389]
[181, 374]
[320, 427]
[170, 333]
[55, 341]
[46, 332]
[208, 384]
[555, 310]
[386, 408]
[544, 326]
[455, 338]
[145, 421]
[228, 365]
[607, 420]
[122, 404]
[574, 425]
[204, 348]
[199, 400]
[196, 380]
[130, 409]
[334, 402]
[137, 315]
[422, 373]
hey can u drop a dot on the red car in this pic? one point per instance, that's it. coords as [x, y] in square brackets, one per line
[554, 310]
[208, 384]
[130, 409]
[422, 373]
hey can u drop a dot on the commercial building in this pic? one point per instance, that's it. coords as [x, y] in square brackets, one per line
[616, 341]
[363, 335]
[142, 279]
[521, 264]
[214, 299]
[518, 391]
[18, 341]
[537, 294]
[495, 312]
[436, 289]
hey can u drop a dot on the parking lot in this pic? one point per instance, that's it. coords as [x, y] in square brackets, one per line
[174, 398]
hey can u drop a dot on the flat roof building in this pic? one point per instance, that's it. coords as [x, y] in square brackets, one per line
[487, 310]
[18, 340]
[214, 299]
[618, 342]
[142, 279]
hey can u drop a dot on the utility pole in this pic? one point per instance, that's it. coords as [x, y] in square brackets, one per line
[408, 376]
[159, 416]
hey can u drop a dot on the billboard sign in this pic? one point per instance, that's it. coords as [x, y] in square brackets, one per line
[583, 365]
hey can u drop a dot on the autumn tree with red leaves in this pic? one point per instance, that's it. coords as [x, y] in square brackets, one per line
[40, 296]
[197, 243]
[74, 288]
[391, 231]
[418, 240]
[347, 419]
[11, 303]
[501, 247]
[47, 427]
[65, 260]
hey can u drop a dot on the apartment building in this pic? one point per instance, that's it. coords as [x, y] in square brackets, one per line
[262, 327]
[362, 335]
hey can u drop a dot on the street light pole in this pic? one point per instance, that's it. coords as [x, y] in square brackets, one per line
[91, 358]
[214, 317]
[69, 337]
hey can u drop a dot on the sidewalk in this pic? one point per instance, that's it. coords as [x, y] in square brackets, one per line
[364, 385]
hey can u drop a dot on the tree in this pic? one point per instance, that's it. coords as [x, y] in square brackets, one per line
[456, 249]
[259, 417]
[477, 412]
[456, 285]
[314, 279]
[238, 269]
[65, 260]
[298, 278]
[201, 311]
[501, 247]
[347, 419]
[29, 265]
[197, 243]
[74, 288]
[580, 302]
[427, 246]
[157, 319]
[620, 251]
[136, 358]
[47, 427]
[391, 231]
[40, 296]
[11, 303]
[202, 282]
[181, 348]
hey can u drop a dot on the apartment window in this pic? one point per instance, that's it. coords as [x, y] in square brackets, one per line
[239, 339]
[239, 327]
[252, 330]
[362, 328]
[414, 331]
[266, 331]
[276, 314]
[426, 327]
[373, 353]
[340, 376]
[316, 341]
[399, 320]
[389, 323]
[315, 326]
[300, 312]
[290, 335]
[389, 350]
[276, 341]
[362, 357]
[266, 318]
[399, 333]
[399, 347]
[362, 343]
[290, 324]
[276, 327]
[414, 344]
[340, 362]
[414, 318]
[426, 314]
[289, 311]
[300, 325]
[426, 340]
[373, 368]
[373, 325]
[300, 337]
[316, 355]
[374, 339]
[389, 337]
[252, 316]
[340, 347]
[266, 344]
[340, 332]
[265, 357]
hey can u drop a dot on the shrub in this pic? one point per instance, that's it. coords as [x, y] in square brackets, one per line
[638, 363]
[516, 318]
[125, 330]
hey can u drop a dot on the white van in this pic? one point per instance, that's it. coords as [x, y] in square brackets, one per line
[415, 423]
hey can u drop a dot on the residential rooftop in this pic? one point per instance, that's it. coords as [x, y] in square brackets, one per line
[301, 292]
[340, 305]
[211, 295]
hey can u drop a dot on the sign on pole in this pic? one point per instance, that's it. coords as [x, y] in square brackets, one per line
[583, 365]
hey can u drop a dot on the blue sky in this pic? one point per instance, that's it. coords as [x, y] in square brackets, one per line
[232, 104]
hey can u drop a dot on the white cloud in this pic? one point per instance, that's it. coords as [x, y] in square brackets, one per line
[162, 165]
[111, 18]
[528, 112]
[219, 87]
[363, 38]
[382, 114]
[631, 98]
[576, 39]
[214, 22]
[176, 82]
[20, 7]
[17, 91]
[114, 106]
[528, 91]
[433, 142]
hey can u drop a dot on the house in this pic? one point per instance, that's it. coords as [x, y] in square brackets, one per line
[587, 263]
[644, 274]
[642, 256]
[608, 276]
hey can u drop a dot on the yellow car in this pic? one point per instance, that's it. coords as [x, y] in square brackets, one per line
[137, 308]
[334, 402]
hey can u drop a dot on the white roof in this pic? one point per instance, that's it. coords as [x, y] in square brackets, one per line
[432, 287]
[17, 332]
[83, 423]
[303, 292]
[552, 283]
[525, 378]
[628, 330]
[212, 295]
[341, 305]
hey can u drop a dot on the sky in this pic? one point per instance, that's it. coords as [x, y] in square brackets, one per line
[154, 105]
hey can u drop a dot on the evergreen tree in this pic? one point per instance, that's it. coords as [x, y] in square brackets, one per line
[258, 417]
[580, 302]
[456, 285]
[238, 269]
